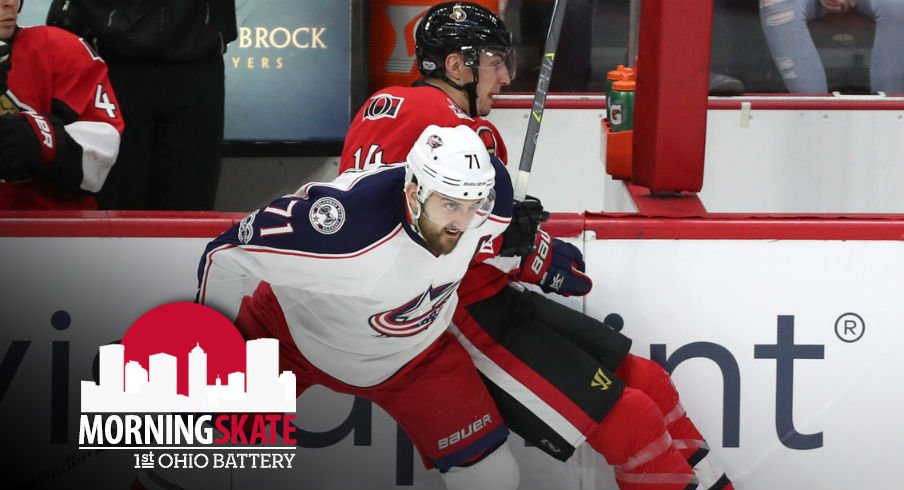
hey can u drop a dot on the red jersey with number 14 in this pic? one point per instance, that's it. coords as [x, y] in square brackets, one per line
[386, 128]
[390, 121]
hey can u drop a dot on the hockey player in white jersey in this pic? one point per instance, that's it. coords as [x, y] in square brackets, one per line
[360, 293]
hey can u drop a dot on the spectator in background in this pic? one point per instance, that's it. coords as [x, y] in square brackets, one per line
[60, 123]
[572, 69]
[572, 63]
[785, 26]
[166, 64]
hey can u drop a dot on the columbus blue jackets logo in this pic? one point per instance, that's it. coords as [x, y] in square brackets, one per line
[414, 316]
[434, 141]
[327, 215]
[383, 105]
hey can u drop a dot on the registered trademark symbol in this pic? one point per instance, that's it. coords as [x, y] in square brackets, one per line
[849, 327]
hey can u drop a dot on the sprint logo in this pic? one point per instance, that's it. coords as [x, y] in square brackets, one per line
[600, 380]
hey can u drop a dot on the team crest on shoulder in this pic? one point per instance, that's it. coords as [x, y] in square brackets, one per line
[327, 215]
[383, 105]
[246, 228]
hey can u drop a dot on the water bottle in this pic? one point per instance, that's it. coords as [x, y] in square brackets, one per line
[621, 106]
[621, 73]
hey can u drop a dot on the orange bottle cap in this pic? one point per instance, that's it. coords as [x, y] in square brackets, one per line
[617, 73]
[625, 85]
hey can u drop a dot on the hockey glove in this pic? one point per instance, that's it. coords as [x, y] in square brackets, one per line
[520, 236]
[556, 266]
[26, 140]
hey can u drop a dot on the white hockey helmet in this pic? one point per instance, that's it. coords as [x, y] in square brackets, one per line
[453, 162]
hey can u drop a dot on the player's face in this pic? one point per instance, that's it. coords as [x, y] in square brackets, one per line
[9, 14]
[496, 71]
[444, 219]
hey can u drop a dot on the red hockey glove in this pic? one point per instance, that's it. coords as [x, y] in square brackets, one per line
[556, 266]
[26, 140]
[520, 236]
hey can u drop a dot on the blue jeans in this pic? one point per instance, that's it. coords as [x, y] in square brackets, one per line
[785, 26]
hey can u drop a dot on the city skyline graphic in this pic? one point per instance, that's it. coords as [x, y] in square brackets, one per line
[129, 387]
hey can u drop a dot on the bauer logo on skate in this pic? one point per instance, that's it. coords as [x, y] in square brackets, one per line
[183, 378]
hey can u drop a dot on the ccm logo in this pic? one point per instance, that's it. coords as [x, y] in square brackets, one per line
[542, 251]
[462, 434]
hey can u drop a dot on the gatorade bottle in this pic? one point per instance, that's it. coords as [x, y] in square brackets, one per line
[620, 73]
[621, 105]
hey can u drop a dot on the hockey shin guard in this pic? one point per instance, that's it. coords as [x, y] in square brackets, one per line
[649, 377]
[633, 439]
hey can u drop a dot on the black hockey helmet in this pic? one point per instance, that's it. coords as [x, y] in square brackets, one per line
[467, 29]
[459, 27]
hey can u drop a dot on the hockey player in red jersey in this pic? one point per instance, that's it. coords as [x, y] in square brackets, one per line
[360, 296]
[60, 124]
[530, 349]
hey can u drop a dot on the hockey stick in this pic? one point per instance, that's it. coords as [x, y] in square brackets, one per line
[533, 124]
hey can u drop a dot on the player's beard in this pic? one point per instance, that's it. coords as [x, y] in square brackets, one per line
[439, 241]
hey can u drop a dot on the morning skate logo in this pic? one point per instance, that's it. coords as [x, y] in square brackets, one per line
[183, 380]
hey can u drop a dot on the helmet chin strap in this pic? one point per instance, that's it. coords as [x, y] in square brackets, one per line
[415, 216]
[470, 89]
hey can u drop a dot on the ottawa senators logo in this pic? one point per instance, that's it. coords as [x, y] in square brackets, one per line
[383, 105]
[458, 14]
